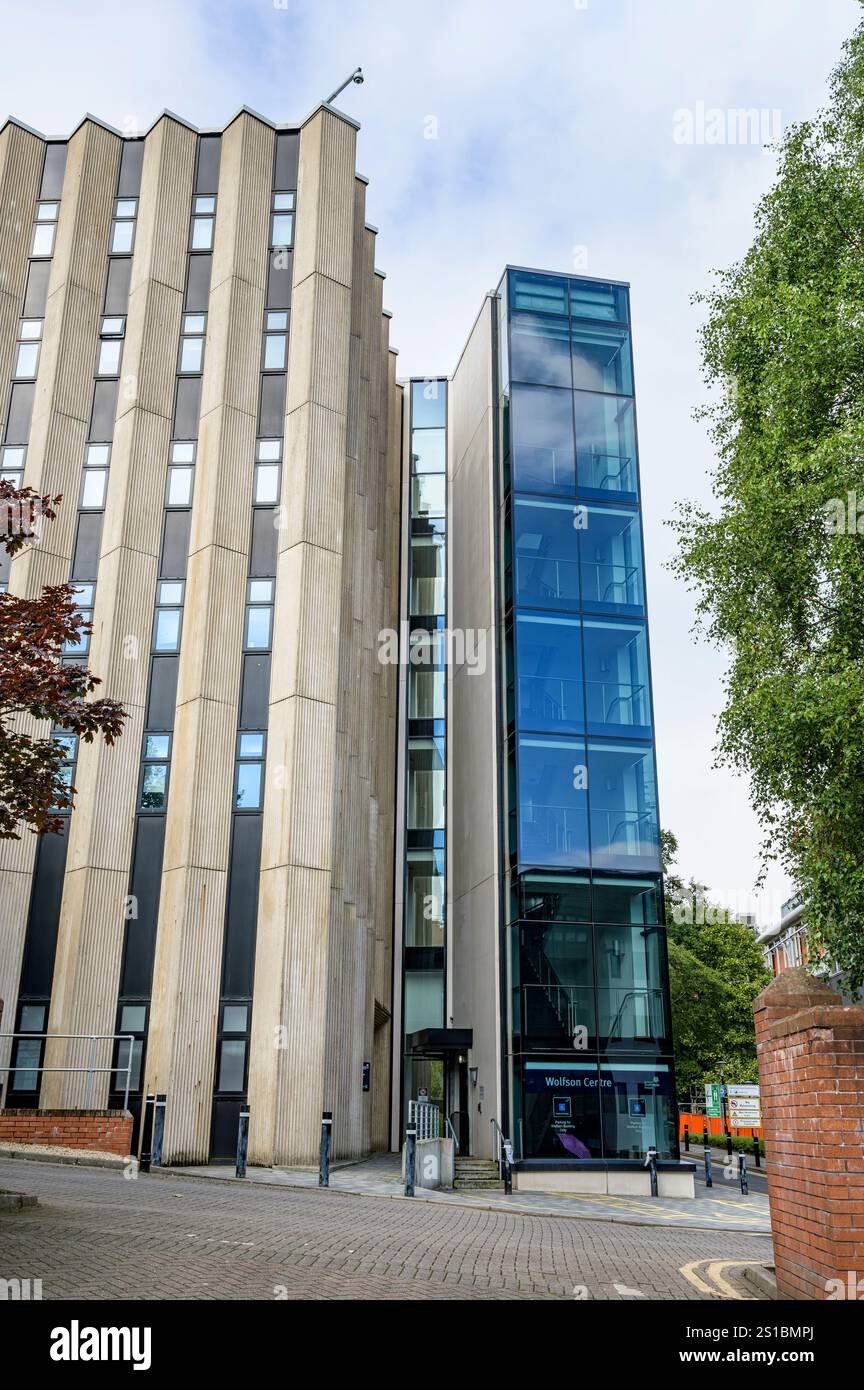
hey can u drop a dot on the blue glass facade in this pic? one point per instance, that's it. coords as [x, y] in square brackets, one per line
[589, 1048]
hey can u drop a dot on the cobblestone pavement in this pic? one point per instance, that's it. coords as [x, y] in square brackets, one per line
[720, 1208]
[97, 1235]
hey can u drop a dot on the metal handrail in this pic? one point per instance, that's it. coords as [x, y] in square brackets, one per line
[499, 1139]
[448, 1124]
[90, 1070]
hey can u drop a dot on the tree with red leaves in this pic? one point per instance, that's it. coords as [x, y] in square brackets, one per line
[34, 681]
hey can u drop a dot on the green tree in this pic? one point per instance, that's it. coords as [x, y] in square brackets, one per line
[716, 970]
[778, 566]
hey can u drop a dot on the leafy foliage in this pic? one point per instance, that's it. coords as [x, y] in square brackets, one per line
[716, 970]
[779, 583]
[33, 682]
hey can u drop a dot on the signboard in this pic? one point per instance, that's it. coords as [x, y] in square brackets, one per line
[744, 1106]
[712, 1099]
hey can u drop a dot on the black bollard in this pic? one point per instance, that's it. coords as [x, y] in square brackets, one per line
[709, 1181]
[410, 1159]
[742, 1173]
[651, 1165]
[507, 1165]
[686, 1139]
[756, 1154]
[147, 1135]
[324, 1152]
[242, 1143]
[729, 1143]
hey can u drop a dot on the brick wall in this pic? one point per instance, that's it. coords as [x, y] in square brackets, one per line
[108, 1131]
[811, 1070]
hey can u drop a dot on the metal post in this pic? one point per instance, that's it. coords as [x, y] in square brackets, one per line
[91, 1063]
[410, 1159]
[651, 1165]
[324, 1152]
[507, 1165]
[704, 1135]
[756, 1154]
[242, 1142]
[742, 1173]
[686, 1139]
[147, 1134]
[158, 1130]
[709, 1181]
[728, 1143]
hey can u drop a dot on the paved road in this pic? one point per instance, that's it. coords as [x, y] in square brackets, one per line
[96, 1235]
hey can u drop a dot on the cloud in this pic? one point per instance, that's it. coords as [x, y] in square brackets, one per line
[554, 130]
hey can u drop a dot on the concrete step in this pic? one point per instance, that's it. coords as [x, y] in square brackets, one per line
[478, 1185]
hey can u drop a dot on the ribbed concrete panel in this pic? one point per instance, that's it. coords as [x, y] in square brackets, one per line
[102, 826]
[221, 513]
[310, 660]
[244, 216]
[210, 654]
[161, 234]
[303, 754]
[192, 907]
[325, 200]
[286, 1057]
[62, 404]
[203, 837]
[182, 1041]
[88, 955]
[313, 495]
[135, 497]
[320, 327]
[20, 167]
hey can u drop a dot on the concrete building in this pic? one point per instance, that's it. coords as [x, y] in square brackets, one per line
[382, 825]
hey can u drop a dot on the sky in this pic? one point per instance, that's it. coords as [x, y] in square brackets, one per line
[493, 132]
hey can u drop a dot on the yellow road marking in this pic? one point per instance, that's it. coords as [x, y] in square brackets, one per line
[722, 1289]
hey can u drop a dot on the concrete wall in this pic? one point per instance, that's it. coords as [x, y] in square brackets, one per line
[472, 832]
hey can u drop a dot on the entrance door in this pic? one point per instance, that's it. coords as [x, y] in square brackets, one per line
[460, 1118]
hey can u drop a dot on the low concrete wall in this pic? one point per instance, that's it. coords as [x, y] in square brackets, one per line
[627, 1182]
[434, 1165]
[103, 1131]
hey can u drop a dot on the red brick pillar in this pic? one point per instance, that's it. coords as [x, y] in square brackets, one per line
[810, 1047]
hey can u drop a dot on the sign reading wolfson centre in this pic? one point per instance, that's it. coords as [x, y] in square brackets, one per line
[77, 1343]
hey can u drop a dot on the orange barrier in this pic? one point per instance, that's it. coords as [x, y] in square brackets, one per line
[715, 1126]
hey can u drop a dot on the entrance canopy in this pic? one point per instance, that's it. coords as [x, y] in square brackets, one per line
[438, 1040]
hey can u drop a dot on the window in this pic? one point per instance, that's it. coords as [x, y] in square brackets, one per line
[249, 776]
[426, 784]
[605, 446]
[192, 343]
[591, 299]
[154, 772]
[83, 599]
[541, 428]
[545, 294]
[601, 359]
[630, 973]
[180, 474]
[268, 453]
[44, 229]
[428, 404]
[26, 359]
[616, 678]
[68, 743]
[424, 999]
[282, 220]
[428, 451]
[123, 228]
[549, 673]
[540, 349]
[428, 575]
[638, 1109]
[12, 464]
[203, 218]
[109, 357]
[94, 481]
[259, 615]
[426, 677]
[610, 551]
[546, 554]
[275, 352]
[429, 495]
[623, 801]
[424, 910]
[552, 801]
[168, 616]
